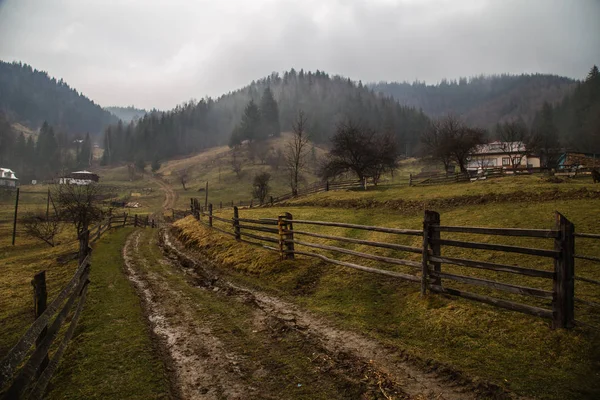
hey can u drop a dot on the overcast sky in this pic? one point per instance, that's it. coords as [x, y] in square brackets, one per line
[154, 53]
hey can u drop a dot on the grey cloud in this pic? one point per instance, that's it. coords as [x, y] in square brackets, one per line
[160, 53]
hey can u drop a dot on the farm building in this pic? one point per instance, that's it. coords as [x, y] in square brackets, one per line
[502, 155]
[79, 178]
[8, 178]
[579, 160]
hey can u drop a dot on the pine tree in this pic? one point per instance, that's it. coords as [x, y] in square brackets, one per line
[250, 125]
[269, 112]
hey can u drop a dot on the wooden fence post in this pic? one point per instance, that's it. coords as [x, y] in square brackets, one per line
[15, 218]
[206, 196]
[84, 242]
[236, 224]
[271, 201]
[109, 222]
[124, 219]
[220, 205]
[135, 221]
[409, 179]
[147, 221]
[327, 186]
[431, 218]
[192, 208]
[210, 221]
[40, 299]
[286, 235]
[563, 313]
[251, 202]
[153, 223]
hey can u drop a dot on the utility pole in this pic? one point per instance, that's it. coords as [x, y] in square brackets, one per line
[15, 220]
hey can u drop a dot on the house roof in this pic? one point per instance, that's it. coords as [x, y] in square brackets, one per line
[500, 148]
[6, 173]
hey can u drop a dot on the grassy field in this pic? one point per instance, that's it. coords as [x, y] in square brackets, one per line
[112, 354]
[512, 350]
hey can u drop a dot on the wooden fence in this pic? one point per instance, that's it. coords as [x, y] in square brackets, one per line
[25, 373]
[425, 265]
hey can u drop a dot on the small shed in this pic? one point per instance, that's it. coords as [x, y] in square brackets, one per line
[8, 178]
[79, 178]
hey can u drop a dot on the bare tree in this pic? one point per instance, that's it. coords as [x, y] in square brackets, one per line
[236, 162]
[260, 186]
[182, 176]
[449, 139]
[296, 150]
[81, 205]
[362, 151]
[40, 226]
[513, 137]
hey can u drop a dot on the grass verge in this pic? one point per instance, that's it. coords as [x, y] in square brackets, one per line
[112, 355]
[512, 350]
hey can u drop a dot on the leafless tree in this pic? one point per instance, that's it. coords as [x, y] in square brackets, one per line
[40, 226]
[449, 139]
[275, 158]
[513, 137]
[236, 162]
[362, 151]
[183, 176]
[296, 151]
[79, 204]
[260, 186]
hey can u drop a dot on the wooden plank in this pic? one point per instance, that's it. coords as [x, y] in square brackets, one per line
[17, 354]
[588, 280]
[410, 249]
[587, 302]
[228, 220]
[265, 221]
[259, 228]
[42, 382]
[23, 379]
[258, 237]
[517, 289]
[414, 232]
[359, 254]
[494, 267]
[509, 305]
[538, 233]
[588, 235]
[499, 247]
[264, 246]
[589, 258]
[400, 275]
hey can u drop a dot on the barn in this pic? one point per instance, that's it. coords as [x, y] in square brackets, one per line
[8, 178]
[79, 178]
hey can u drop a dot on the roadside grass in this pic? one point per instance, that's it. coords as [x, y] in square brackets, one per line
[19, 263]
[112, 354]
[513, 350]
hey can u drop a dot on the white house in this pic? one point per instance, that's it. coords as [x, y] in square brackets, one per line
[502, 155]
[79, 178]
[8, 178]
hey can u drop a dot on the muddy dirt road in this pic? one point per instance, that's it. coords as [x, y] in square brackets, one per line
[223, 341]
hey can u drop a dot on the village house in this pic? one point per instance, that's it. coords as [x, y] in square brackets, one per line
[506, 155]
[8, 178]
[79, 178]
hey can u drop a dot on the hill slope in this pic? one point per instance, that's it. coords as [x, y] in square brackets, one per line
[325, 100]
[484, 100]
[30, 97]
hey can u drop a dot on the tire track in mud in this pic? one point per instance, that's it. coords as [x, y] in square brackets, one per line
[196, 377]
[413, 381]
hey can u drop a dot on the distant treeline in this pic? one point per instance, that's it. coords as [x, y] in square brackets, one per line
[325, 100]
[482, 101]
[31, 97]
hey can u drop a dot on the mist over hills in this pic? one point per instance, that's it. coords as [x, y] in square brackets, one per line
[30, 97]
[483, 100]
[126, 114]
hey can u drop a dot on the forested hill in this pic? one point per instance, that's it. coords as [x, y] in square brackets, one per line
[325, 100]
[482, 101]
[30, 97]
[126, 114]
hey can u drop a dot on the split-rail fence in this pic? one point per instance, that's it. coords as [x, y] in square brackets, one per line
[557, 304]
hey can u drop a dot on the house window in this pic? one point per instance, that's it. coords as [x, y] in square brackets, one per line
[517, 161]
[505, 161]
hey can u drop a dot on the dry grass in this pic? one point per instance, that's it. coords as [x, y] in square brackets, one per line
[513, 350]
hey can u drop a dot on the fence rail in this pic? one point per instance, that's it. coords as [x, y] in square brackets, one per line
[25, 372]
[427, 269]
